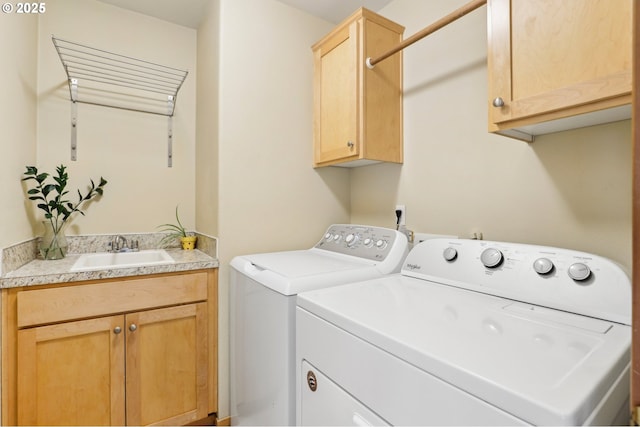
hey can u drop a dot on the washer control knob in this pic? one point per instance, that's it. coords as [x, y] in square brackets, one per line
[328, 236]
[351, 240]
[450, 254]
[543, 266]
[368, 242]
[381, 244]
[579, 271]
[336, 238]
[491, 257]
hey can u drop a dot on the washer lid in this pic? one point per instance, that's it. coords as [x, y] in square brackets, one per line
[544, 366]
[292, 272]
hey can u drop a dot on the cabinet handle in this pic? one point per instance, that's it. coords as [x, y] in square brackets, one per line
[133, 327]
[498, 102]
[350, 144]
[117, 330]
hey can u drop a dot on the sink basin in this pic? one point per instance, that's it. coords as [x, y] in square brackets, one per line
[108, 260]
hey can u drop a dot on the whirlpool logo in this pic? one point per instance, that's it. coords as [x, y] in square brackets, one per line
[413, 267]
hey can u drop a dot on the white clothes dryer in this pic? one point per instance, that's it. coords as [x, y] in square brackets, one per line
[263, 289]
[470, 333]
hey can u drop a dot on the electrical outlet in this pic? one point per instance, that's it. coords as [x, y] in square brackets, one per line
[403, 213]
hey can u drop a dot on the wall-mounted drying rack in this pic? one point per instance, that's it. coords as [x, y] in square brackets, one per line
[108, 79]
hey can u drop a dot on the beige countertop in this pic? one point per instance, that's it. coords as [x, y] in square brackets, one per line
[39, 272]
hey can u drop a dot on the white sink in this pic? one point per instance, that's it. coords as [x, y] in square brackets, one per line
[108, 260]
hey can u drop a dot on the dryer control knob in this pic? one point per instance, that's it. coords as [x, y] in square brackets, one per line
[543, 266]
[450, 254]
[579, 271]
[491, 257]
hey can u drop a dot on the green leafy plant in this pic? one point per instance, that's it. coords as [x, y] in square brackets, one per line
[175, 231]
[52, 199]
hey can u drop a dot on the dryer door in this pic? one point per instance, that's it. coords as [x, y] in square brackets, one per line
[325, 403]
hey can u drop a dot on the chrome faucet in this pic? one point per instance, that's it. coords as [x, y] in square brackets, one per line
[119, 244]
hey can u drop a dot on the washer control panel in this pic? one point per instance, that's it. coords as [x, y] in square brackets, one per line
[363, 241]
[563, 279]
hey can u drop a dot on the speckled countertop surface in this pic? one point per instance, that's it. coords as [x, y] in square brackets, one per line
[39, 272]
[33, 271]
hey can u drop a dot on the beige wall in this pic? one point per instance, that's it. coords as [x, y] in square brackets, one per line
[18, 116]
[128, 148]
[207, 113]
[570, 189]
[270, 197]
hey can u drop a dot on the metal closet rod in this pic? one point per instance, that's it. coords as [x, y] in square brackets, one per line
[453, 16]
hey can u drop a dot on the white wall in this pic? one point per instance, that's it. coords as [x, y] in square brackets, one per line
[571, 189]
[270, 197]
[18, 115]
[128, 148]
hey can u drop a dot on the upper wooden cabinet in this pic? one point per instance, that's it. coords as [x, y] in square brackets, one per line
[553, 59]
[357, 110]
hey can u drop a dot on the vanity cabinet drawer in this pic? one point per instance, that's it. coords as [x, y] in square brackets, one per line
[43, 306]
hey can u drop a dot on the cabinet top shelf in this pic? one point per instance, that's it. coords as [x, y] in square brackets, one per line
[113, 80]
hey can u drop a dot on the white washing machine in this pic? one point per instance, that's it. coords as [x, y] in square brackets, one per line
[470, 333]
[263, 292]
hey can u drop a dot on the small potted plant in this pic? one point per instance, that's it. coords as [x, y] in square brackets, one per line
[51, 198]
[177, 231]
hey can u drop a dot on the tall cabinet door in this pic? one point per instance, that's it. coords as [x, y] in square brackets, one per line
[336, 96]
[167, 365]
[72, 373]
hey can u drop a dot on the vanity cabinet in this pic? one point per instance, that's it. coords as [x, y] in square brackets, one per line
[133, 351]
[553, 59]
[357, 110]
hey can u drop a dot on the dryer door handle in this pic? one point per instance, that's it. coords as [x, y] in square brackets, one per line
[358, 420]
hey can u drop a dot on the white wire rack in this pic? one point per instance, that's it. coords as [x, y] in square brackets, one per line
[104, 78]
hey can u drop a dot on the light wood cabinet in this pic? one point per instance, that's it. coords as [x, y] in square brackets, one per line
[554, 59]
[137, 351]
[357, 110]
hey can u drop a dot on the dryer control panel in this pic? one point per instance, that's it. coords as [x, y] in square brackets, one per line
[562, 279]
[364, 241]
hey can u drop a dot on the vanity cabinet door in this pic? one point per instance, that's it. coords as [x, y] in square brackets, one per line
[167, 365]
[126, 351]
[72, 373]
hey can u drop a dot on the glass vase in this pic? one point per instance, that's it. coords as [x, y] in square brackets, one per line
[53, 244]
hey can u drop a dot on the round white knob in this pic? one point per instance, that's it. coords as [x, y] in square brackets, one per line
[336, 238]
[491, 257]
[381, 244]
[579, 271]
[543, 266]
[328, 236]
[450, 254]
[351, 240]
[368, 242]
